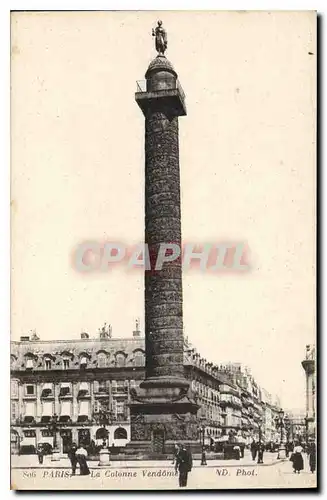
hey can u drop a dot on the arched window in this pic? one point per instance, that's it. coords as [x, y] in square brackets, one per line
[120, 433]
[67, 358]
[120, 359]
[102, 360]
[101, 433]
[139, 358]
[13, 360]
[47, 363]
[29, 363]
[83, 362]
[65, 363]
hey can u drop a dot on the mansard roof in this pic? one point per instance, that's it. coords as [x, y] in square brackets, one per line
[77, 348]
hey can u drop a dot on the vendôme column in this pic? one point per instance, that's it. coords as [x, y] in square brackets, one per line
[162, 104]
[164, 404]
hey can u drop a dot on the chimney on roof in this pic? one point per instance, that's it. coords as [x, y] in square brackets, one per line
[85, 335]
[137, 332]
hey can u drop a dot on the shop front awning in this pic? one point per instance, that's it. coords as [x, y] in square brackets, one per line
[47, 389]
[45, 419]
[28, 419]
[65, 388]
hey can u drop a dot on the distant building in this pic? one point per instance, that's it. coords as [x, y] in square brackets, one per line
[297, 430]
[309, 366]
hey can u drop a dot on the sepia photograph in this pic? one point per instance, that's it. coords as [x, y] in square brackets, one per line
[163, 250]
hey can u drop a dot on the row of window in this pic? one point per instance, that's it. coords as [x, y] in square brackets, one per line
[47, 389]
[205, 391]
[47, 410]
[83, 362]
[229, 398]
[119, 433]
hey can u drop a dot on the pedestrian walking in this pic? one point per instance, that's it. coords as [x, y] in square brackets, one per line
[175, 453]
[312, 452]
[261, 449]
[81, 455]
[184, 464]
[297, 459]
[254, 449]
[72, 457]
[40, 453]
[237, 452]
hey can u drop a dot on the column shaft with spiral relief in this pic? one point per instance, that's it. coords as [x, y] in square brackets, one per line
[163, 409]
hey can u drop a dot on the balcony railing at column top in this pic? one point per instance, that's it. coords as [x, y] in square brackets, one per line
[141, 87]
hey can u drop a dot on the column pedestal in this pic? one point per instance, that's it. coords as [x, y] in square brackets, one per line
[161, 417]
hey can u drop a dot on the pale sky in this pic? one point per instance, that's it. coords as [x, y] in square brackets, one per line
[247, 155]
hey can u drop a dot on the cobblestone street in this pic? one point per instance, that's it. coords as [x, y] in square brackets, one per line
[160, 474]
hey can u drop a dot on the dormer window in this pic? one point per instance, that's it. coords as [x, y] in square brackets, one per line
[47, 364]
[65, 364]
[29, 364]
[102, 360]
[13, 360]
[83, 362]
[120, 359]
[138, 358]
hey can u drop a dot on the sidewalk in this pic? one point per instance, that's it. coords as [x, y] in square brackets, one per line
[31, 461]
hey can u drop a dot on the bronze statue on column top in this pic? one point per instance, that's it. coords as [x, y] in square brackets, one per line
[161, 38]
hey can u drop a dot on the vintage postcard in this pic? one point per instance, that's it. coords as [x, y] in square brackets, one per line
[163, 213]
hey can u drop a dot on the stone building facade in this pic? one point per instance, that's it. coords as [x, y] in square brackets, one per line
[74, 379]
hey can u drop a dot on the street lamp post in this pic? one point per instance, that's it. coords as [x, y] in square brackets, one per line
[287, 423]
[306, 421]
[202, 436]
[53, 428]
[260, 451]
[280, 425]
[104, 418]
